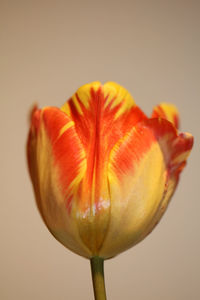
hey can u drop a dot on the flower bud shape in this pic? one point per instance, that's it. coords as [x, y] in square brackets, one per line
[102, 171]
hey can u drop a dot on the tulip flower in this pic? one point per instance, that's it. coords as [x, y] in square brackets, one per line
[103, 172]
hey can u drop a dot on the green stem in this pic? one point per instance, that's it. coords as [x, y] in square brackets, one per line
[98, 278]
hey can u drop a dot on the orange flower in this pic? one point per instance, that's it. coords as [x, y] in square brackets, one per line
[102, 171]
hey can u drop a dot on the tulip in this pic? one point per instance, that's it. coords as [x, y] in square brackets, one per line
[103, 173]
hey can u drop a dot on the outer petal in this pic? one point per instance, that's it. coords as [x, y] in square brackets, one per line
[57, 165]
[102, 115]
[167, 111]
[143, 173]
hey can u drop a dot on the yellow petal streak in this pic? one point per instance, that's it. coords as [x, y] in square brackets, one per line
[84, 94]
[65, 128]
[114, 91]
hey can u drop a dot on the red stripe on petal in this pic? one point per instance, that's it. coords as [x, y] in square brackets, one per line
[175, 147]
[128, 151]
[32, 139]
[68, 153]
[35, 118]
[97, 127]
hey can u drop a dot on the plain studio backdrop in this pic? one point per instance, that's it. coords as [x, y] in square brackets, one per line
[49, 49]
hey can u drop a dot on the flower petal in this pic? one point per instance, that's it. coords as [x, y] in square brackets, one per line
[57, 165]
[167, 111]
[176, 149]
[143, 172]
[102, 114]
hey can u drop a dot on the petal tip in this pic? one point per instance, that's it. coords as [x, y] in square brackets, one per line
[167, 111]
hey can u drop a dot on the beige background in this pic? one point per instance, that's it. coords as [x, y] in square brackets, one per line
[50, 48]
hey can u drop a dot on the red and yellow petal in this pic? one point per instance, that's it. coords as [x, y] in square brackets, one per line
[57, 165]
[102, 114]
[176, 149]
[143, 172]
[167, 111]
